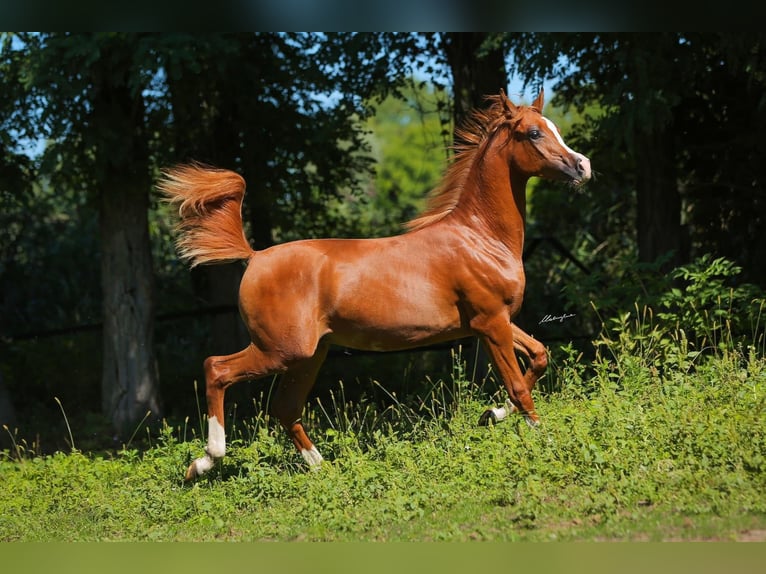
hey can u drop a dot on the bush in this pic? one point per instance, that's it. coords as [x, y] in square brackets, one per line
[659, 328]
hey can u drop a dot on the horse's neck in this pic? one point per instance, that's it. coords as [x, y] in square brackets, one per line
[494, 203]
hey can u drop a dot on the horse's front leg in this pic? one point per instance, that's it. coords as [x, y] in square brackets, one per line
[498, 336]
[535, 353]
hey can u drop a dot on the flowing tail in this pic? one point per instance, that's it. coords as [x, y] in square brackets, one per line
[209, 204]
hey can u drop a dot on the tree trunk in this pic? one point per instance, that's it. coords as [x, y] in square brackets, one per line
[7, 412]
[658, 201]
[474, 74]
[130, 381]
[206, 131]
[218, 286]
[129, 375]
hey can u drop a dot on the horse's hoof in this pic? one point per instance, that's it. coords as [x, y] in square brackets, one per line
[532, 422]
[191, 472]
[487, 417]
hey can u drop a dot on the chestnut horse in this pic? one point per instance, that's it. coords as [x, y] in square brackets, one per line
[455, 272]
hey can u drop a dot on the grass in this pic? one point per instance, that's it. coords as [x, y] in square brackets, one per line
[627, 451]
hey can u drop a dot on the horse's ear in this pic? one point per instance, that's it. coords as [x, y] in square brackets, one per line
[508, 105]
[539, 101]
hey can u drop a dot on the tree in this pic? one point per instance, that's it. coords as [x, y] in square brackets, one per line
[85, 92]
[130, 386]
[478, 67]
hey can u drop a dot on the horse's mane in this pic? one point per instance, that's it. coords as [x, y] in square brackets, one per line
[472, 137]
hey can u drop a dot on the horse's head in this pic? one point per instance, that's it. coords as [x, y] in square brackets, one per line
[538, 149]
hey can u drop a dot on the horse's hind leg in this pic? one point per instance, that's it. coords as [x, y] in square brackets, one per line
[221, 373]
[290, 399]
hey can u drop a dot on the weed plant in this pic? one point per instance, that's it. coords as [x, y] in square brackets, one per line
[662, 436]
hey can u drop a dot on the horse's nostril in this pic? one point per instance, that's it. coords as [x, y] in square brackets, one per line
[583, 167]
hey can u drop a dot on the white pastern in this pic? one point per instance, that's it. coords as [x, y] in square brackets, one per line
[216, 439]
[504, 411]
[499, 414]
[312, 457]
[202, 465]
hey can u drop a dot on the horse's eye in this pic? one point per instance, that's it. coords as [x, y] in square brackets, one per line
[534, 134]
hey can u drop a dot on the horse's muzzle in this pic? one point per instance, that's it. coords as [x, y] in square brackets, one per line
[582, 167]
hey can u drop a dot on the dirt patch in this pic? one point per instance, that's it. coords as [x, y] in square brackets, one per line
[755, 535]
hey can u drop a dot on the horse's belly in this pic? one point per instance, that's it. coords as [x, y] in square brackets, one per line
[378, 338]
[377, 322]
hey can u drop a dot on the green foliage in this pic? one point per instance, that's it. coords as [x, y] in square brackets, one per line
[703, 303]
[44, 230]
[707, 300]
[577, 239]
[407, 141]
[699, 307]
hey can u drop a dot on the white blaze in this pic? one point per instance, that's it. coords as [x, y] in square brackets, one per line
[559, 139]
[583, 162]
